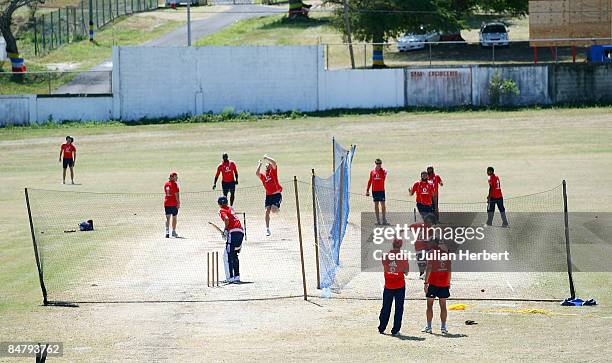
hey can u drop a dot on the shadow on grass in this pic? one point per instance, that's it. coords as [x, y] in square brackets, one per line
[298, 23]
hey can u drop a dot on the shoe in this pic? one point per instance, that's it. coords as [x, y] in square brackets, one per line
[444, 330]
[174, 234]
[381, 331]
[487, 225]
[268, 233]
[167, 235]
[426, 330]
[385, 223]
[422, 276]
[63, 182]
[236, 279]
[505, 226]
[72, 182]
[394, 334]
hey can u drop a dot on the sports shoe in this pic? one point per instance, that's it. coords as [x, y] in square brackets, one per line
[444, 330]
[236, 279]
[167, 235]
[422, 276]
[268, 233]
[174, 234]
[426, 330]
[505, 226]
[394, 334]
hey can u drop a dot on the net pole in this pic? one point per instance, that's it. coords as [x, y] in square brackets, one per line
[334, 161]
[341, 198]
[297, 208]
[314, 224]
[567, 243]
[40, 274]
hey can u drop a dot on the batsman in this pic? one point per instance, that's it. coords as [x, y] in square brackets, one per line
[234, 234]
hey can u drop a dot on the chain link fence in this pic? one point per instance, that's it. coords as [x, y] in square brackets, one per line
[70, 24]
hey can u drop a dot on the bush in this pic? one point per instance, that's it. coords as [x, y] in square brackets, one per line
[499, 88]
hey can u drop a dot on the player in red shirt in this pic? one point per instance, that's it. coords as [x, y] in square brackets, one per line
[377, 182]
[274, 196]
[234, 235]
[437, 183]
[395, 289]
[495, 197]
[229, 178]
[68, 156]
[437, 283]
[424, 195]
[172, 203]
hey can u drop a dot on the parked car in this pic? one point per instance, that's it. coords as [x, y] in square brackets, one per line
[416, 40]
[494, 34]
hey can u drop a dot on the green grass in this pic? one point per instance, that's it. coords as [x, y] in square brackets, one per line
[130, 30]
[532, 150]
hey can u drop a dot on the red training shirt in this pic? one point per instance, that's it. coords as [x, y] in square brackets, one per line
[422, 238]
[270, 181]
[68, 149]
[494, 187]
[228, 169]
[440, 270]
[228, 212]
[170, 190]
[435, 180]
[394, 271]
[424, 192]
[377, 180]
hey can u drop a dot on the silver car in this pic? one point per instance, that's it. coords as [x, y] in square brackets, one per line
[494, 34]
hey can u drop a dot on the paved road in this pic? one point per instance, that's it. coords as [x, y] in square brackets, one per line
[97, 80]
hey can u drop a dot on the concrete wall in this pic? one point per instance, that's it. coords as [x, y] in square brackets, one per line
[438, 87]
[532, 81]
[27, 109]
[579, 83]
[361, 88]
[166, 82]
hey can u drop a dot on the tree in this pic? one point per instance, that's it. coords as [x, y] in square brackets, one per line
[377, 21]
[7, 9]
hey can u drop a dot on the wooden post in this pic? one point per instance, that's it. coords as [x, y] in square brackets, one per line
[567, 243]
[314, 224]
[297, 208]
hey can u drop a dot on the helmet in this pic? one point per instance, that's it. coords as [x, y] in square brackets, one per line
[222, 200]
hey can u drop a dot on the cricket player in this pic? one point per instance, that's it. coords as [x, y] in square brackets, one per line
[395, 288]
[424, 194]
[234, 235]
[495, 197]
[421, 243]
[68, 156]
[229, 178]
[172, 203]
[269, 178]
[437, 283]
[377, 182]
[437, 183]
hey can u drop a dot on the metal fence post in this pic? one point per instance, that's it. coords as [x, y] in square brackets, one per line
[67, 25]
[97, 16]
[49, 81]
[365, 55]
[35, 36]
[83, 18]
[52, 31]
[493, 52]
[429, 53]
[42, 30]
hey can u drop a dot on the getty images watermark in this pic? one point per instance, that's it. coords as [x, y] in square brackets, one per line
[425, 238]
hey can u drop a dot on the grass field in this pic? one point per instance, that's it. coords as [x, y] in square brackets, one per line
[532, 150]
[278, 30]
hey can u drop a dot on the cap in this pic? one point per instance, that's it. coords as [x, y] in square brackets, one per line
[222, 200]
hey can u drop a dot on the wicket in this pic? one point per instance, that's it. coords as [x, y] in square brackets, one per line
[212, 269]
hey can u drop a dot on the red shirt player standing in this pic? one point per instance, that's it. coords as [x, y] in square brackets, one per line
[172, 203]
[229, 178]
[378, 175]
[436, 181]
[424, 195]
[495, 197]
[68, 157]
[234, 234]
[274, 196]
[396, 267]
[437, 283]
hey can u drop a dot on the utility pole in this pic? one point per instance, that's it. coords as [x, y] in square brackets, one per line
[347, 29]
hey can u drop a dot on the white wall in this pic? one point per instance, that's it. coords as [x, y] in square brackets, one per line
[15, 109]
[532, 81]
[361, 88]
[74, 108]
[171, 81]
[438, 87]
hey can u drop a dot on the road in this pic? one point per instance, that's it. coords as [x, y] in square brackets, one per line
[98, 80]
